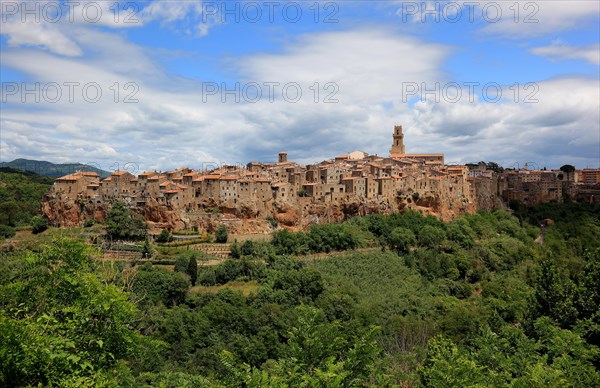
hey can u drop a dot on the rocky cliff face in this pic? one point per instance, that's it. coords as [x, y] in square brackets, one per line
[64, 212]
[250, 218]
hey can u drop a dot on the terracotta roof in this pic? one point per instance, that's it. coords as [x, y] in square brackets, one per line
[182, 187]
[119, 173]
[89, 173]
[229, 178]
[166, 183]
[70, 177]
[93, 185]
[107, 179]
[213, 176]
[172, 191]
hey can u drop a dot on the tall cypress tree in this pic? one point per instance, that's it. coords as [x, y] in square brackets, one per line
[192, 270]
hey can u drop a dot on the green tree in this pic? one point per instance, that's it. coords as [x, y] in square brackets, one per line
[221, 235]
[568, 169]
[38, 224]
[192, 270]
[461, 232]
[235, 251]
[156, 285]
[146, 249]
[431, 236]
[446, 366]
[401, 239]
[247, 248]
[9, 212]
[555, 294]
[181, 264]
[6, 231]
[74, 328]
[121, 223]
[164, 236]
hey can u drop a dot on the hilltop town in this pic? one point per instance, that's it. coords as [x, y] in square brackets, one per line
[249, 198]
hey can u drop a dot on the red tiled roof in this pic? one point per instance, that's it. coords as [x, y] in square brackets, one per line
[70, 177]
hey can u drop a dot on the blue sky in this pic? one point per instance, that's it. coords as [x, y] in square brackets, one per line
[369, 62]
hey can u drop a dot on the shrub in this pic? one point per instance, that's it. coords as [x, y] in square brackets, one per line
[6, 231]
[401, 239]
[431, 236]
[88, 223]
[247, 248]
[235, 250]
[164, 236]
[192, 270]
[38, 224]
[121, 223]
[221, 234]
[271, 220]
[302, 193]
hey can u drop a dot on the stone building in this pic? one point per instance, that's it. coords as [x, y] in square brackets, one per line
[354, 180]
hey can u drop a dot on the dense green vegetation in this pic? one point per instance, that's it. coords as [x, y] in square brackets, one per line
[473, 302]
[20, 195]
[121, 223]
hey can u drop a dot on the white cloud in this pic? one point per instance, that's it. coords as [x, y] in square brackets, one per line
[563, 127]
[368, 65]
[172, 125]
[537, 18]
[47, 36]
[513, 19]
[44, 24]
[559, 51]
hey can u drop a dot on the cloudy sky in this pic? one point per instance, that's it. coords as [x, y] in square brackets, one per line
[161, 84]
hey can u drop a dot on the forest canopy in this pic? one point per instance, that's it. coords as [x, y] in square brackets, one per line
[400, 300]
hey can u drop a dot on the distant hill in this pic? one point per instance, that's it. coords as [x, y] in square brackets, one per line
[20, 195]
[44, 168]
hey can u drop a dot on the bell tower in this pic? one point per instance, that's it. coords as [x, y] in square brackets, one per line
[398, 145]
